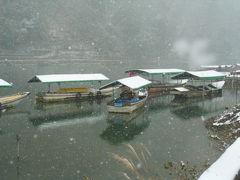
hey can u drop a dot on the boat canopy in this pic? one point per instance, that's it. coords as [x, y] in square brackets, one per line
[135, 82]
[4, 83]
[157, 71]
[60, 78]
[201, 75]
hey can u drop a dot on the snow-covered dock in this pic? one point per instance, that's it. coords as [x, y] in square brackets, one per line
[226, 167]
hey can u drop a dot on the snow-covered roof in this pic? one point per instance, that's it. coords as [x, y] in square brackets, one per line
[201, 75]
[58, 78]
[227, 166]
[217, 66]
[157, 71]
[135, 82]
[181, 89]
[209, 66]
[4, 83]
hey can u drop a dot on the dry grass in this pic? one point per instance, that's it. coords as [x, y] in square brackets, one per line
[138, 166]
[87, 178]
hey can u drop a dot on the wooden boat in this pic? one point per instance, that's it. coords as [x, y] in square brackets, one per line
[70, 93]
[160, 78]
[11, 100]
[8, 101]
[129, 105]
[203, 78]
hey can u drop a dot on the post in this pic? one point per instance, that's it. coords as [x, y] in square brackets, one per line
[203, 93]
[18, 138]
[49, 87]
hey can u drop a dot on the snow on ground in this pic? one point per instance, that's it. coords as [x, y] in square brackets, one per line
[227, 166]
[228, 117]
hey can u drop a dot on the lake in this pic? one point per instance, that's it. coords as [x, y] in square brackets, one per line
[70, 140]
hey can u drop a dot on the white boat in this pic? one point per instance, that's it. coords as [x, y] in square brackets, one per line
[121, 105]
[70, 93]
[10, 100]
[160, 78]
[202, 86]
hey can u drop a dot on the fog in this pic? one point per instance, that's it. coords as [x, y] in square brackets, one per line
[126, 30]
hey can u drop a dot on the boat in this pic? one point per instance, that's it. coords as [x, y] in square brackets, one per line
[199, 85]
[133, 86]
[10, 100]
[160, 78]
[70, 93]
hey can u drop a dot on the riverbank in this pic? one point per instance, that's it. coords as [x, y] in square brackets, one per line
[225, 128]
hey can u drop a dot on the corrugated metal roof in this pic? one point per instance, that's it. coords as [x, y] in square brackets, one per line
[157, 71]
[4, 83]
[58, 78]
[201, 75]
[135, 82]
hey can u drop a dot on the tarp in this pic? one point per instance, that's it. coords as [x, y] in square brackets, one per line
[4, 83]
[59, 78]
[201, 75]
[157, 71]
[135, 82]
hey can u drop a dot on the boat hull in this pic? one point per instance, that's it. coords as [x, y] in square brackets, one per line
[131, 107]
[192, 94]
[9, 101]
[64, 96]
[154, 89]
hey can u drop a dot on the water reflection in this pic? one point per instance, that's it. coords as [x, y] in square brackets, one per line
[124, 127]
[160, 102]
[195, 107]
[52, 115]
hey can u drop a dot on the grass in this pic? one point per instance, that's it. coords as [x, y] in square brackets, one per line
[138, 166]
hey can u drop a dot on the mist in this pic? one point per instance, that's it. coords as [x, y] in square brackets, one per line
[123, 30]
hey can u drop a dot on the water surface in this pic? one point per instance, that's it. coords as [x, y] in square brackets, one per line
[70, 140]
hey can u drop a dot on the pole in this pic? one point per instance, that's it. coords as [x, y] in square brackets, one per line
[49, 87]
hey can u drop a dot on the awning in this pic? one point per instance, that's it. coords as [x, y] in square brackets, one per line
[60, 78]
[157, 71]
[201, 75]
[4, 83]
[135, 82]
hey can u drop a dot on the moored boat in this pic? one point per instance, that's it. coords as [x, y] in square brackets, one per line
[132, 97]
[11, 100]
[199, 86]
[160, 78]
[70, 93]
